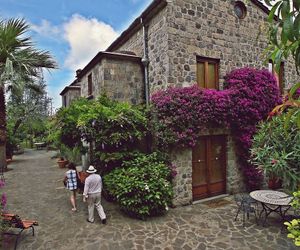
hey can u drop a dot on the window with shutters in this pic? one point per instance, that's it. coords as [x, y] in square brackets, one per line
[208, 73]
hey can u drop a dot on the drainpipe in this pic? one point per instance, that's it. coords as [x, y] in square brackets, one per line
[145, 62]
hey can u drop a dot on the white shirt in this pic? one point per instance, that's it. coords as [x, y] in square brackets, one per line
[92, 185]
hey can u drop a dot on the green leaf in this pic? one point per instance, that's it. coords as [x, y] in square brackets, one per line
[273, 34]
[285, 10]
[268, 2]
[272, 12]
[293, 90]
[287, 29]
[296, 4]
[297, 26]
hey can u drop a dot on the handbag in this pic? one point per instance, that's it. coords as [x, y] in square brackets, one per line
[65, 182]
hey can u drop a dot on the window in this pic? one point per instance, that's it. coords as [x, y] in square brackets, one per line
[279, 76]
[208, 73]
[64, 101]
[240, 9]
[90, 85]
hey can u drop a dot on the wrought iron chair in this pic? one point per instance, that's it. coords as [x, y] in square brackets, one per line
[245, 205]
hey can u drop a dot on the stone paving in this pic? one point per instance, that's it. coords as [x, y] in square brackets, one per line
[35, 191]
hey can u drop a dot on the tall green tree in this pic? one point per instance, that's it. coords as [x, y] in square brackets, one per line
[19, 62]
[27, 113]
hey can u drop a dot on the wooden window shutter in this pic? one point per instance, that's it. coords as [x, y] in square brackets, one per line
[208, 73]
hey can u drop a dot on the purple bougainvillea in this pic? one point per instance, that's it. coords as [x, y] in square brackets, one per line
[249, 96]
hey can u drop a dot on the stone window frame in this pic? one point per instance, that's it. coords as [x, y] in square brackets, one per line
[206, 61]
[240, 6]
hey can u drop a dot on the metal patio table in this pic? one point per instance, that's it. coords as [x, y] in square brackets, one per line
[272, 202]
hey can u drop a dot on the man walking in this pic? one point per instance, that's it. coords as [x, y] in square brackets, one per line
[92, 194]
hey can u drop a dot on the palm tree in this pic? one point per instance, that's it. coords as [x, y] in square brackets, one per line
[19, 62]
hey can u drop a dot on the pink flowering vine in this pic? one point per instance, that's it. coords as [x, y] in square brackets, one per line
[182, 113]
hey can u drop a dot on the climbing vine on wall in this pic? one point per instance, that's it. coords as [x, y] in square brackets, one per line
[180, 114]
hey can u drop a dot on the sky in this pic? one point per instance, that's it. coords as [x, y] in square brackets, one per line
[73, 31]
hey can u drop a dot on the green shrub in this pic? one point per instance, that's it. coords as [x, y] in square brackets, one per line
[276, 151]
[294, 226]
[142, 187]
[116, 130]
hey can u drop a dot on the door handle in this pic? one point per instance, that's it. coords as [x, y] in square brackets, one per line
[200, 160]
[217, 158]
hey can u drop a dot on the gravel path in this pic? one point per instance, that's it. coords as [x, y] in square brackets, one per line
[35, 191]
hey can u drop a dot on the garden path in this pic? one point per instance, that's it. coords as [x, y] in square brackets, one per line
[35, 191]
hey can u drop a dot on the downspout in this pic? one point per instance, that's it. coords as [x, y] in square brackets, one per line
[145, 62]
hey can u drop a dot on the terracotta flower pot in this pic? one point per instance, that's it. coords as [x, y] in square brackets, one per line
[275, 183]
[62, 163]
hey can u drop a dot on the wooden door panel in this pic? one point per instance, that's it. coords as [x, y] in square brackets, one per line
[199, 164]
[200, 192]
[217, 159]
[217, 188]
[209, 167]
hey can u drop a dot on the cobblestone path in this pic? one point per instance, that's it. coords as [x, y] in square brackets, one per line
[35, 191]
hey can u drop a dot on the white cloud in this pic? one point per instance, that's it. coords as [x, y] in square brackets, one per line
[86, 37]
[46, 29]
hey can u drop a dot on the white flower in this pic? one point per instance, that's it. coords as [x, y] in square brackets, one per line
[146, 187]
[167, 208]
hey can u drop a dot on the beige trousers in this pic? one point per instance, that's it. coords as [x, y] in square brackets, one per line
[94, 200]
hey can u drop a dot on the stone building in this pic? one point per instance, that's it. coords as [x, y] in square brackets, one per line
[70, 93]
[180, 43]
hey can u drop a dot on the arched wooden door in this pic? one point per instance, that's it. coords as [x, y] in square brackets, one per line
[209, 167]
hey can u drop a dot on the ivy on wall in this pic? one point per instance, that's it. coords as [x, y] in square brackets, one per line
[180, 114]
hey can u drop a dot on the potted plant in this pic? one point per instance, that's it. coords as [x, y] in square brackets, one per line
[275, 150]
[62, 161]
[274, 182]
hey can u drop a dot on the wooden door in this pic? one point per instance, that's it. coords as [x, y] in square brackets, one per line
[209, 167]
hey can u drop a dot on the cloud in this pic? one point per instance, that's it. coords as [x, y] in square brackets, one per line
[46, 29]
[86, 37]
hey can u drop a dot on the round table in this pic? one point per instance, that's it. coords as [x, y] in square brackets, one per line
[272, 202]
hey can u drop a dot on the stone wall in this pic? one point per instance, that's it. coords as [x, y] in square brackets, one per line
[70, 95]
[182, 159]
[185, 29]
[119, 79]
[211, 29]
[157, 48]
[122, 80]
[182, 183]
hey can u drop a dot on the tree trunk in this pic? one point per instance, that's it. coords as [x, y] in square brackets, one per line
[2, 130]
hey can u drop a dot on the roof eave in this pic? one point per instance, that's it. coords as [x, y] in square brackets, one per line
[148, 13]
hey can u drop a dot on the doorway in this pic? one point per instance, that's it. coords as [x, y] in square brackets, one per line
[209, 167]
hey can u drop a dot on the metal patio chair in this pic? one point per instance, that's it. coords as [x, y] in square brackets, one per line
[245, 205]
